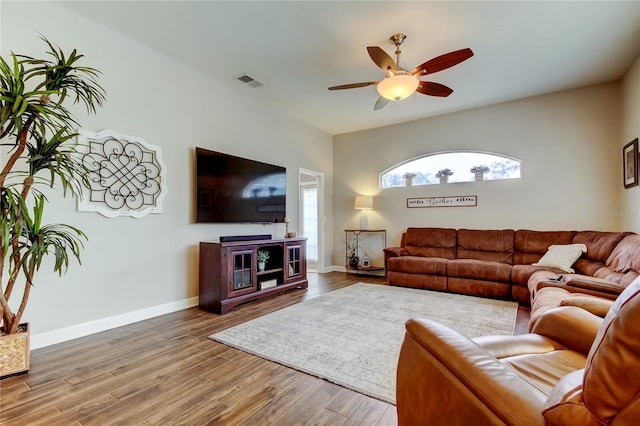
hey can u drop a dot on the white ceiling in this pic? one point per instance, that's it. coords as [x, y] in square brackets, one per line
[298, 49]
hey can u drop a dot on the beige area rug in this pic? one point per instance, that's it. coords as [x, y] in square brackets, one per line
[352, 336]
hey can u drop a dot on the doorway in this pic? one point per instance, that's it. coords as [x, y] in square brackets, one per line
[311, 196]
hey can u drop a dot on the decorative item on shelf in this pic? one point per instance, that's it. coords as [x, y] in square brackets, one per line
[268, 284]
[443, 175]
[365, 262]
[288, 234]
[364, 202]
[479, 171]
[262, 257]
[408, 178]
[354, 260]
[37, 130]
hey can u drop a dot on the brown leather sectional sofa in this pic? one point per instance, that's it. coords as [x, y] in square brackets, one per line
[498, 263]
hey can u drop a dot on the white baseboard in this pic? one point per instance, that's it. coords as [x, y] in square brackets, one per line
[68, 333]
[335, 268]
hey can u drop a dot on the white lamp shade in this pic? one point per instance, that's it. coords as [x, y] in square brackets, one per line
[363, 202]
[399, 86]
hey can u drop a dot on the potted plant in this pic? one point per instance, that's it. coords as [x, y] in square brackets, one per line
[408, 178]
[39, 133]
[262, 257]
[443, 175]
[479, 171]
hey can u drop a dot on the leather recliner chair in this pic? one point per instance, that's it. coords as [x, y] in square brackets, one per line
[573, 369]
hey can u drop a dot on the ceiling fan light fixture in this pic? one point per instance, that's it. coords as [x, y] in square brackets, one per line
[398, 86]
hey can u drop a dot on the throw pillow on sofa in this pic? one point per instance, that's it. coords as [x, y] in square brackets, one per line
[562, 256]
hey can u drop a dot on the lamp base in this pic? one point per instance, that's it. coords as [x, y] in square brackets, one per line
[364, 221]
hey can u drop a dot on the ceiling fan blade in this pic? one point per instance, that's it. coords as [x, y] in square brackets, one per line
[353, 85]
[442, 62]
[381, 58]
[380, 103]
[434, 89]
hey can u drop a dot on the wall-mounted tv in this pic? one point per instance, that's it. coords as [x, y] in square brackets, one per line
[232, 189]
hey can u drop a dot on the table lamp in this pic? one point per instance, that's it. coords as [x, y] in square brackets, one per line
[364, 202]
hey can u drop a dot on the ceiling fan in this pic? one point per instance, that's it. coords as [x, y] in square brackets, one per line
[399, 83]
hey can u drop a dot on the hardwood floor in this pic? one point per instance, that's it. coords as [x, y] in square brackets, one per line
[166, 371]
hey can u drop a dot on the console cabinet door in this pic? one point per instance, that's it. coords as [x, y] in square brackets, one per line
[242, 271]
[295, 261]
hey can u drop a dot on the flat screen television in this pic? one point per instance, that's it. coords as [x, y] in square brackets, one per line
[232, 189]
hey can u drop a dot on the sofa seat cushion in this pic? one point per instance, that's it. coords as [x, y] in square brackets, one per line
[479, 270]
[481, 288]
[543, 371]
[423, 281]
[418, 265]
[490, 245]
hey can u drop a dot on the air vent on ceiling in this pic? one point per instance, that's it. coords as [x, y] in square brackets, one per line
[249, 80]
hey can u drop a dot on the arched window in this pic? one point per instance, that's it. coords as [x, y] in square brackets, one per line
[448, 167]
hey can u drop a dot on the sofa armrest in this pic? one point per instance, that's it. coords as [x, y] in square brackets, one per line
[444, 375]
[592, 283]
[573, 327]
[390, 252]
[576, 287]
[395, 251]
[596, 305]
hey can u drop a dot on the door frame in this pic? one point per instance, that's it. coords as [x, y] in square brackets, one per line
[320, 214]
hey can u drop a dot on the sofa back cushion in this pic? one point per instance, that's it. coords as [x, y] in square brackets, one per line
[608, 387]
[495, 245]
[600, 245]
[431, 242]
[626, 255]
[529, 246]
[611, 381]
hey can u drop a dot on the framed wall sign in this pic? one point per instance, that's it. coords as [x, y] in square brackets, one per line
[125, 173]
[630, 164]
[453, 201]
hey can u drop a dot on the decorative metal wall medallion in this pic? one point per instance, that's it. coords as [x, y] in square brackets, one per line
[126, 174]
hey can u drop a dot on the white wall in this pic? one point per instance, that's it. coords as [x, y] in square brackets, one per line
[630, 207]
[133, 268]
[568, 143]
